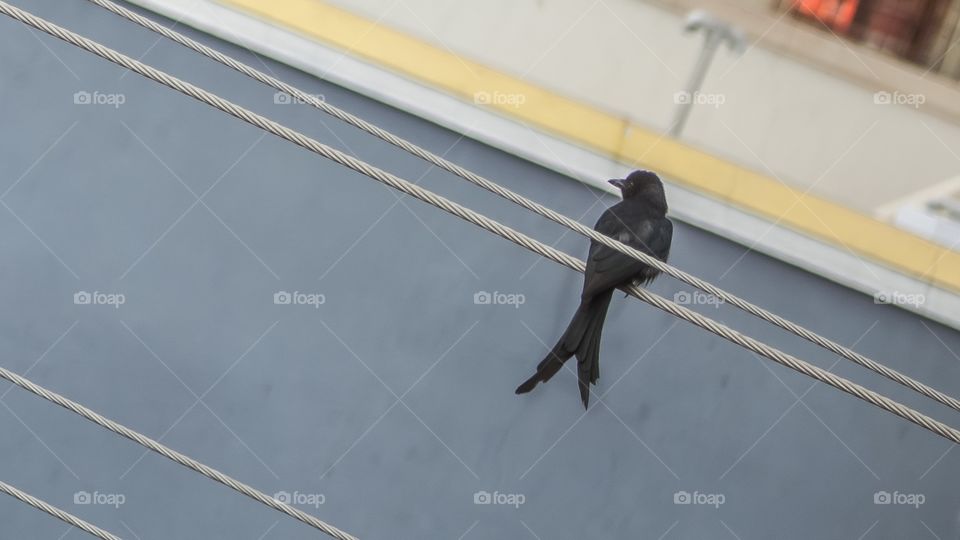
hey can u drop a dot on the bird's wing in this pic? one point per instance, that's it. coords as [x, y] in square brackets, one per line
[608, 268]
[660, 239]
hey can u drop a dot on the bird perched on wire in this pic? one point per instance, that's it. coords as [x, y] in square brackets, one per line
[639, 221]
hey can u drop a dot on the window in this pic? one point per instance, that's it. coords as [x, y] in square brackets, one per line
[925, 32]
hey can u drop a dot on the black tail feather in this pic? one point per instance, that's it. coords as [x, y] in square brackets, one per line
[588, 354]
[582, 338]
[528, 384]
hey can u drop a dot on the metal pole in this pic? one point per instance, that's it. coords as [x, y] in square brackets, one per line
[715, 33]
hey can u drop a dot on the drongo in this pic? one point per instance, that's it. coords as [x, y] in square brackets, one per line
[639, 221]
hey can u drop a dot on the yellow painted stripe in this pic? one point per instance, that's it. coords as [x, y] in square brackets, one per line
[613, 136]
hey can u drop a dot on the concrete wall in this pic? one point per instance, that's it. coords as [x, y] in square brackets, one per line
[300, 399]
[780, 116]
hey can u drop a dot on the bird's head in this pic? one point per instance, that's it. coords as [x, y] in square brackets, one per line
[642, 184]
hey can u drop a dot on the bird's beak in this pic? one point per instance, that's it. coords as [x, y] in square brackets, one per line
[617, 183]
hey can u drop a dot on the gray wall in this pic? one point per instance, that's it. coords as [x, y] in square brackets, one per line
[300, 399]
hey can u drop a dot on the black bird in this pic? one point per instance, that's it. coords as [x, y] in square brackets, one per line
[639, 221]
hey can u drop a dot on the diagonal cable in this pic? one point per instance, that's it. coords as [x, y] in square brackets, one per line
[167, 452]
[62, 515]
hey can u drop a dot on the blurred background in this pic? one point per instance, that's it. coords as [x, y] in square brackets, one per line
[809, 98]
[354, 352]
